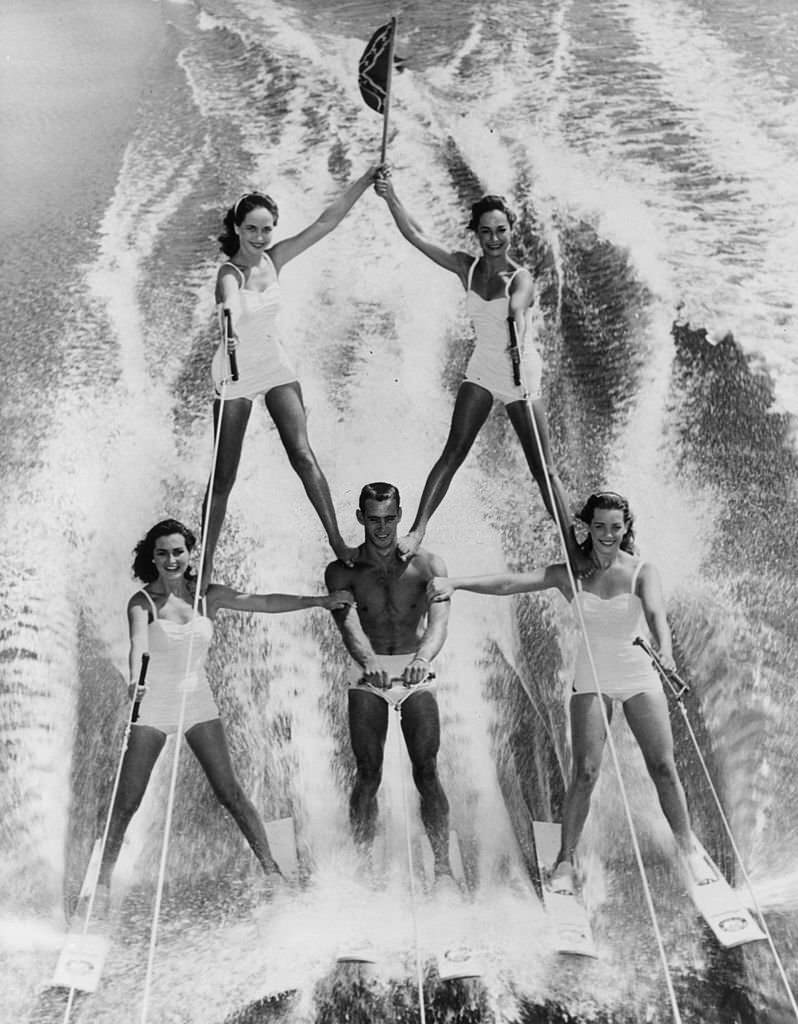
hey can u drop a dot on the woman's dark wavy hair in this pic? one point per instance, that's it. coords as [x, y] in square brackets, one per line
[228, 240]
[485, 205]
[609, 500]
[143, 567]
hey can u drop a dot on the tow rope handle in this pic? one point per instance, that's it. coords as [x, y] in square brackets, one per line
[145, 660]
[515, 352]
[673, 680]
[231, 352]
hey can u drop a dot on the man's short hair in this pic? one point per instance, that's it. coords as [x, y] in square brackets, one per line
[379, 491]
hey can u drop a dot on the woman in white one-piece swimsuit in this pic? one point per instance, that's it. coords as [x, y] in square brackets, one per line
[248, 292]
[497, 290]
[620, 600]
[164, 624]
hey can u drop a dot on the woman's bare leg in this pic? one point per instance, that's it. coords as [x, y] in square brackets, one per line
[288, 412]
[207, 741]
[144, 745]
[588, 736]
[541, 466]
[471, 409]
[231, 426]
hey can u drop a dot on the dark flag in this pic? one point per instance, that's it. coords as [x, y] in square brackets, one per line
[375, 65]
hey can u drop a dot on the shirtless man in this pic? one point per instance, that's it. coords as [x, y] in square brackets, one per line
[393, 636]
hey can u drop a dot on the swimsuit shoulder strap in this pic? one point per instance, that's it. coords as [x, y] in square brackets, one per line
[635, 574]
[471, 270]
[239, 271]
[146, 593]
[510, 280]
[268, 257]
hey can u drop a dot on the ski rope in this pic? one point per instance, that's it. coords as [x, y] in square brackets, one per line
[605, 719]
[413, 897]
[106, 829]
[670, 679]
[182, 715]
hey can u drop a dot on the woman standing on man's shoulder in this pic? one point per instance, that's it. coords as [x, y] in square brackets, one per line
[498, 290]
[248, 293]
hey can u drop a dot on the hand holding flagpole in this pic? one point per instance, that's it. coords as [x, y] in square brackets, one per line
[375, 70]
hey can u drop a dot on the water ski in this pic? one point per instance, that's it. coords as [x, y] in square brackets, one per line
[722, 908]
[458, 962]
[81, 960]
[357, 954]
[282, 843]
[455, 959]
[572, 924]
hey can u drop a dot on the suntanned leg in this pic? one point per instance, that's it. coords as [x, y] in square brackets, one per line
[520, 415]
[368, 727]
[587, 738]
[286, 409]
[422, 733]
[209, 744]
[647, 715]
[471, 409]
[231, 425]
[144, 746]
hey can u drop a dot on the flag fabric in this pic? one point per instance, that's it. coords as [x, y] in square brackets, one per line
[372, 76]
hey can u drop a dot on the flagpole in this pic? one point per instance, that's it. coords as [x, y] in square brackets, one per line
[388, 77]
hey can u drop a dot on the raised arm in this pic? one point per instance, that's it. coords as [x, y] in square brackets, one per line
[650, 590]
[327, 221]
[502, 584]
[456, 262]
[226, 597]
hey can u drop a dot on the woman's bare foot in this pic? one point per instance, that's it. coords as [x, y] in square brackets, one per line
[698, 867]
[408, 546]
[561, 880]
[345, 554]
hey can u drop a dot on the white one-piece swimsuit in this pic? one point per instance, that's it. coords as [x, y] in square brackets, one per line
[178, 651]
[262, 362]
[490, 365]
[612, 623]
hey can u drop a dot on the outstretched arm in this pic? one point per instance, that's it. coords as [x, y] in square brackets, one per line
[457, 262]
[328, 220]
[650, 590]
[226, 597]
[502, 584]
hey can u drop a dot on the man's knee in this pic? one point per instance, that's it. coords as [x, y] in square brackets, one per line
[369, 773]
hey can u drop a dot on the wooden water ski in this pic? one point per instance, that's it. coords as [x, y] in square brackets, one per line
[570, 917]
[723, 909]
